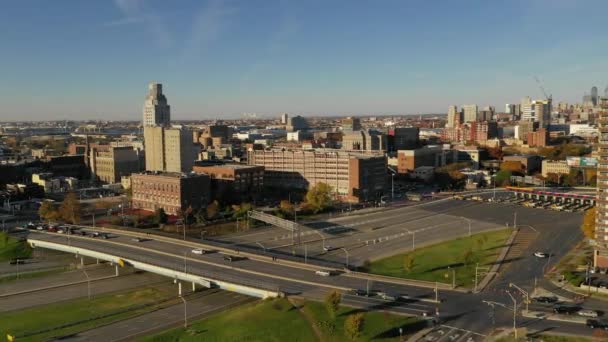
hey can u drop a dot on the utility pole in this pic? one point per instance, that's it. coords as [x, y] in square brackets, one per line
[476, 267]
[436, 293]
[515, 220]
[527, 297]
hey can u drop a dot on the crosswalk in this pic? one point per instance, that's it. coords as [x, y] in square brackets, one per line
[446, 333]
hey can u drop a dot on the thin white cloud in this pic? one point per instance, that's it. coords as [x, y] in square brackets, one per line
[206, 28]
[136, 12]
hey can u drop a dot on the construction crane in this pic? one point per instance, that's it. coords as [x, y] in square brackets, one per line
[540, 85]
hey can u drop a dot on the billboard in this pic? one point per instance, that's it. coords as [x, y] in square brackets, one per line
[581, 161]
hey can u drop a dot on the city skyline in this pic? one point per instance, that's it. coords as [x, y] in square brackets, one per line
[219, 59]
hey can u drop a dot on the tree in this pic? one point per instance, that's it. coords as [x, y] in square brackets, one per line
[241, 210]
[199, 217]
[468, 256]
[588, 226]
[70, 209]
[160, 217]
[212, 209]
[502, 177]
[286, 208]
[48, 212]
[332, 302]
[319, 197]
[353, 325]
[408, 263]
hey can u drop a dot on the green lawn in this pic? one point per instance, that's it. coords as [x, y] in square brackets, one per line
[11, 248]
[431, 263]
[76, 315]
[279, 320]
[268, 320]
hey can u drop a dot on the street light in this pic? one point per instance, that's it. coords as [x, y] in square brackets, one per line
[523, 292]
[514, 314]
[88, 282]
[185, 311]
[347, 255]
[469, 221]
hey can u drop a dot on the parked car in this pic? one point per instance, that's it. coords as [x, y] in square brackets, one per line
[565, 309]
[597, 324]
[587, 313]
[328, 248]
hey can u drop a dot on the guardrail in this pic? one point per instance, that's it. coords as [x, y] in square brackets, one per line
[410, 282]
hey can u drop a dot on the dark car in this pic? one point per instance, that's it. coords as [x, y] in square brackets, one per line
[358, 292]
[231, 258]
[17, 262]
[565, 309]
[597, 324]
[545, 299]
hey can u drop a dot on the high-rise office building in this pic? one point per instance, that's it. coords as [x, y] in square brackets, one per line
[452, 116]
[510, 108]
[296, 123]
[469, 113]
[157, 111]
[600, 257]
[284, 118]
[594, 96]
[169, 149]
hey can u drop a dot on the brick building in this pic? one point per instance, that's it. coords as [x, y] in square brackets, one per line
[233, 182]
[171, 191]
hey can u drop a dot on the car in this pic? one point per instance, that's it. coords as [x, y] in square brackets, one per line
[136, 239]
[328, 248]
[104, 236]
[565, 309]
[17, 262]
[587, 313]
[545, 299]
[597, 324]
[540, 254]
[358, 292]
[387, 296]
[323, 273]
[198, 251]
[231, 258]
[95, 234]
[82, 233]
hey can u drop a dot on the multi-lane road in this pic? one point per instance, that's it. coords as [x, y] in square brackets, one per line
[555, 232]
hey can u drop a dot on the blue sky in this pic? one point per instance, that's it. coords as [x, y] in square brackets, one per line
[218, 59]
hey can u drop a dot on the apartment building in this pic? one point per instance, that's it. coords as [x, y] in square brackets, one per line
[109, 165]
[233, 181]
[600, 258]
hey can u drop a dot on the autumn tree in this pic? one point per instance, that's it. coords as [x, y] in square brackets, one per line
[588, 226]
[502, 177]
[332, 302]
[241, 210]
[353, 325]
[70, 209]
[319, 197]
[286, 208]
[212, 209]
[468, 257]
[408, 263]
[513, 166]
[47, 211]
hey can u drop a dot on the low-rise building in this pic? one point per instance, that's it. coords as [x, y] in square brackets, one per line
[232, 182]
[431, 155]
[171, 191]
[531, 163]
[109, 165]
[558, 167]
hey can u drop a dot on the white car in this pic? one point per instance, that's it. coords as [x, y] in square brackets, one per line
[540, 254]
[588, 313]
[198, 251]
[328, 248]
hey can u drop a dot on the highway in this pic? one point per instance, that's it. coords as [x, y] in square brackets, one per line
[557, 233]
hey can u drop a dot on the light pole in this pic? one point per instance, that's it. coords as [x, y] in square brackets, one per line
[469, 221]
[393, 186]
[515, 220]
[453, 277]
[185, 311]
[347, 255]
[514, 314]
[263, 248]
[88, 282]
[527, 300]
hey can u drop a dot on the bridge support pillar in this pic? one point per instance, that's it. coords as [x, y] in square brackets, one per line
[179, 288]
[82, 261]
[97, 261]
[116, 268]
[193, 287]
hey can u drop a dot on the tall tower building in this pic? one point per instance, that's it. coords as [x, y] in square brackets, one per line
[452, 112]
[157, 111]
[600, 257]
[594, 97]
[470, 113]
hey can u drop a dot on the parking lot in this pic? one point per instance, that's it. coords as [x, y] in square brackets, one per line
[544, 202]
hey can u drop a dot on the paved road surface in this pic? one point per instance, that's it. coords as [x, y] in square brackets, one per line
[198, 305]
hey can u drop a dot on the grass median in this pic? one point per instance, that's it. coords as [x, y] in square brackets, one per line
[11, 248]
[279, 320]
[441, 261]
[45, 322]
